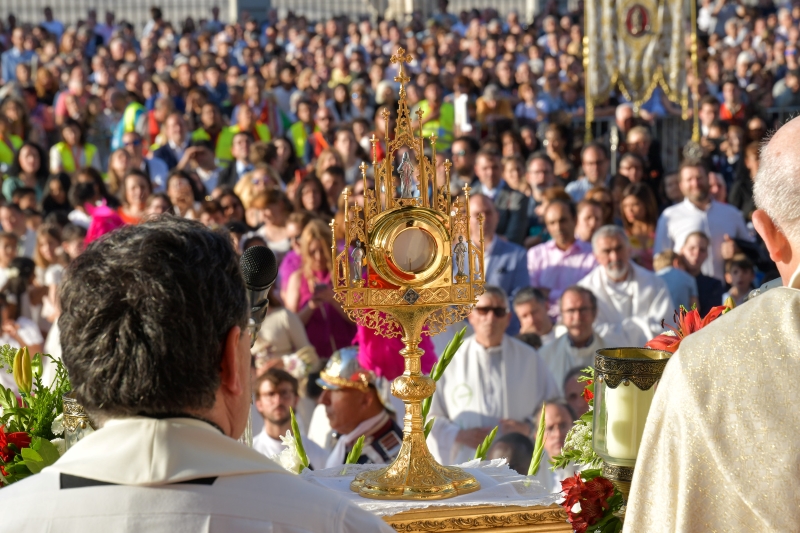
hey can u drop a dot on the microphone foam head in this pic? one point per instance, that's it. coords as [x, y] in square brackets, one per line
[259, 267]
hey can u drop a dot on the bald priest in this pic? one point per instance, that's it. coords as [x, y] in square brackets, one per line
[154, 337]
[720, 449]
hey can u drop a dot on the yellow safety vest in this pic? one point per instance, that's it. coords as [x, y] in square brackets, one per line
[200, 135]
[129, 116]
[299, 138]
[68, 163]
[225, 140]
[7, 153]
[442, 127]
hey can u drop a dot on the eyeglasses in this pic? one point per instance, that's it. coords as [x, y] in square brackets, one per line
[133, 143]
[460, 153]
[499, 312]
[581, 310]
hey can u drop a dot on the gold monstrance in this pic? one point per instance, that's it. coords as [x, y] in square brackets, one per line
[413, 269]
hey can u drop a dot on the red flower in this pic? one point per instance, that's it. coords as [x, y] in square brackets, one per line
[20, 439]
[592, 495]
[571, 488]
[600, 488]
[688, 322]
[588, 395]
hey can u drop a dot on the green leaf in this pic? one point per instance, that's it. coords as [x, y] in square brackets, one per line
[440, 366]
[36, 365]
[426, 407]
[355, 453]
[538, 448]
[298, 440]
[483, 449]
[429, 426]
[31, 455]
[47, 450]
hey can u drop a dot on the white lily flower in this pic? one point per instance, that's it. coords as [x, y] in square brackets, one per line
[58, 425]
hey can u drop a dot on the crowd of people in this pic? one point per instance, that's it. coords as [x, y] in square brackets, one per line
[257, 127]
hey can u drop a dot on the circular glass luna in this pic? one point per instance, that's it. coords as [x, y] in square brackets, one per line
[413, 250]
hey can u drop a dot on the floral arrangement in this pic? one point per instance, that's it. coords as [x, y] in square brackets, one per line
[590, 500]
[31, 423]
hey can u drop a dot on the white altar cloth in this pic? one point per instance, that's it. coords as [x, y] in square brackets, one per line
[500, 486]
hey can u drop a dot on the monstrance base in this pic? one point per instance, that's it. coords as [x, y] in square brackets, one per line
[417, 478]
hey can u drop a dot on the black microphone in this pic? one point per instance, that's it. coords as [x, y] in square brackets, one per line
[259, 270]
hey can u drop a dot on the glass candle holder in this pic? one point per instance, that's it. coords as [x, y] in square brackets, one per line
[76, 422]
[625, 384]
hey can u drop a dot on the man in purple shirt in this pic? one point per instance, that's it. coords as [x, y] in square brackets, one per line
[563, 261]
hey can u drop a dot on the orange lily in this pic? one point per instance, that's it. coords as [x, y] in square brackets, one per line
[688, 322]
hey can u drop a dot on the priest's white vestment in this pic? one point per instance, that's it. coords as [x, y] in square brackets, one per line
[720, 450]
[561, 356]
[482, 386]
[147, 466]
[629, 313]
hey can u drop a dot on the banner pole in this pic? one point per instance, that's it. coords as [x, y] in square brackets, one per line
[695, 103]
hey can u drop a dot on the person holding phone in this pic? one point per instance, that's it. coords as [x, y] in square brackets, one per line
[309, 293]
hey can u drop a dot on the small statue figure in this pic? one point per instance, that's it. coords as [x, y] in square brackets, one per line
[357, 269]
[460, 251]
[406, 172]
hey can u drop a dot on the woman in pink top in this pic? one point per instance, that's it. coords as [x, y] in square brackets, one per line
[309, 293]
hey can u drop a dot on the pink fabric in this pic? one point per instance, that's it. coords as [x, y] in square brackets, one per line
[382, 355]
[327, 330]
[104, 220]
[556, 270]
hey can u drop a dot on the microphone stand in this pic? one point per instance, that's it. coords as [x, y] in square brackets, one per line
[257, 314]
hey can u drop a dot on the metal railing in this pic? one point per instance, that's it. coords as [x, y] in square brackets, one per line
[673, 133]
[137, 12]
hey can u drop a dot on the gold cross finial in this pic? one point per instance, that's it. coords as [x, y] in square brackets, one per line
[401, 57]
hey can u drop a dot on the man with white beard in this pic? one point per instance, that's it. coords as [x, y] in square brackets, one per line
[631, 301]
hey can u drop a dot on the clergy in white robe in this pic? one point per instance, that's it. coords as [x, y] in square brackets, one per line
[577, 347]
[277, 392]
[719, 450]
[631, 301]
[493, 380]
[165, 368]
[177, 475]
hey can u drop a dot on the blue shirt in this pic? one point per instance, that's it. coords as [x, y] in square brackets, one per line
[681, 285]
[10, 59]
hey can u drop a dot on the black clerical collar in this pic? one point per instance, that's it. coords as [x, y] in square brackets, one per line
[586, 344]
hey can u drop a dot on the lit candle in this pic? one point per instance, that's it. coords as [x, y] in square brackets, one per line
[626, 414]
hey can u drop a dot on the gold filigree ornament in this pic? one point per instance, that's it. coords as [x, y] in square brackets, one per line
[410, 266]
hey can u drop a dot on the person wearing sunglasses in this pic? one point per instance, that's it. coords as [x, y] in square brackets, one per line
[494, 380]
